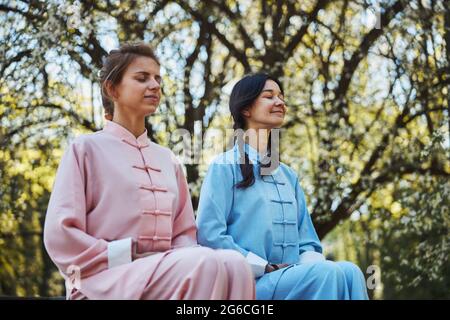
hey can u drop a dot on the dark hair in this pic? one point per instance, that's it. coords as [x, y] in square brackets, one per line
[243, 95]
[114, 66]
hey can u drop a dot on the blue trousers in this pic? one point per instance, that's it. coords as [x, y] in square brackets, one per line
[325, 280]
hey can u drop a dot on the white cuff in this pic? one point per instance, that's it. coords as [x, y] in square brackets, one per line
[119, 252]
[311, 256]
[257, 264]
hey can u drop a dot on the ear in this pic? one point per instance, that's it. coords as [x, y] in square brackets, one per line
[111, 90]
[246, 113]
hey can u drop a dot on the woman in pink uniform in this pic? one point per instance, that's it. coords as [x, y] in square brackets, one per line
[120, 216]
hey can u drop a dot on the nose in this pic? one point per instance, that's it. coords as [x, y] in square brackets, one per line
[154, 84]
[279, 102]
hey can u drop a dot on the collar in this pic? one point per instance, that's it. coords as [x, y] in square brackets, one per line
[252, 153]
[126, 136]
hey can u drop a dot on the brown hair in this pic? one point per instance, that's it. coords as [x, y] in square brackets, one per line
[114, 66]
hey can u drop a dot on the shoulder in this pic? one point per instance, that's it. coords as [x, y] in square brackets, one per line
[226, 158]
[84, 142]
[162, 151]
[222, 167]
[225, 162]
[288, 171]
[165, 155]
[291, 175]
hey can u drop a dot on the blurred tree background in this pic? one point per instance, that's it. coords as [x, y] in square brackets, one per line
[367, 85]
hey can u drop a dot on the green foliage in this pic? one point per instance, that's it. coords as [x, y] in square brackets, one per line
[27, 172]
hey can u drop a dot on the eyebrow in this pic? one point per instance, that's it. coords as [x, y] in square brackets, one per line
[271, 91]
[145, 73]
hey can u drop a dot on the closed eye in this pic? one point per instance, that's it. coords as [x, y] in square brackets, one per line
[271, 97]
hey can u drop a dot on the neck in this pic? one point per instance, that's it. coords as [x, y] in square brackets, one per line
[134, 124]
[257, 139]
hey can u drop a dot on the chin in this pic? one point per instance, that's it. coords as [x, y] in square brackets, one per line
[150, 109]
[277, 124]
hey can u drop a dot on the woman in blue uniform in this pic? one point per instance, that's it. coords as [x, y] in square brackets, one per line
[259, 209]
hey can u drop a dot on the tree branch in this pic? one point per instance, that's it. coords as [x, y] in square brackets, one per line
[351, 65]
[211, 28]
[296, 39]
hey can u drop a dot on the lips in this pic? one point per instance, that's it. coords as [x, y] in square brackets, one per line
[151, 98]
